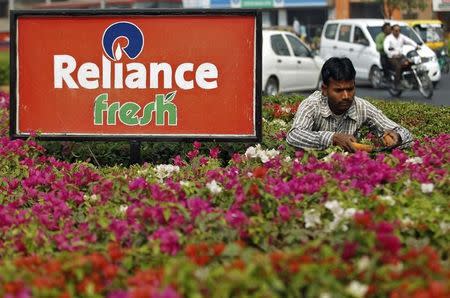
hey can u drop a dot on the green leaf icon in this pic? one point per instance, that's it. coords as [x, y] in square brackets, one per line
[170, 96]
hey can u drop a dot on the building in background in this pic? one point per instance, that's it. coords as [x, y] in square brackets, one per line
[312, 14]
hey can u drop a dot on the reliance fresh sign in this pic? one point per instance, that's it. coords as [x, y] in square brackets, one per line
[127, 76]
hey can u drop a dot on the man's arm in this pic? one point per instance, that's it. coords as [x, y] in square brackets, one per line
[301, 134]
[382, 125]
[407, 40]
[379, 42]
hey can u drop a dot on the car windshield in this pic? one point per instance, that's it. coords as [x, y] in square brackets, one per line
[430, 34]
[405, 30]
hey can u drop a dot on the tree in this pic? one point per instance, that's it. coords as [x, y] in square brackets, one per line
[388, 7]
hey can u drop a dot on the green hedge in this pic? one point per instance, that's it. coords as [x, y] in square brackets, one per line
[4, 68]
[422, 120]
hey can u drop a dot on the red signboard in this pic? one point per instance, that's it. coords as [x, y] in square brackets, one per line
[145, 75]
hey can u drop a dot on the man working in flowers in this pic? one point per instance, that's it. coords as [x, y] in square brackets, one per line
[334, 115]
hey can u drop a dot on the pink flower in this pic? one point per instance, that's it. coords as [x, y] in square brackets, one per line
[284, 212]
[197, 206]
[168, 240]
[192, 154]
[214, 152]
[384, 227]
[138, 183]
[349, 250]
[178, 161]
[197, 145]
[389, 242]
[236, 218]
[203, 160]
[119, 228]
[236, 157]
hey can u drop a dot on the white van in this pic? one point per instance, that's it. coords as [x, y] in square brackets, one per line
[355, 39]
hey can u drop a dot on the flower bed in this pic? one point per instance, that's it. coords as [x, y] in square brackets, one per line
[267, 223]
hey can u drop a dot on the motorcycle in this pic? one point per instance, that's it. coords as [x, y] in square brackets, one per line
[414, 76]
[442, 56]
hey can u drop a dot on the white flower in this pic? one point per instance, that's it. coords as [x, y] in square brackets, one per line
[272, 153]
[357, 289]
[388, 199]
[263, 156]
[415, 160]
[285, 109]
[445, 227]
[363, 263]
[163, 171]
[91, 198]
[279, 122]
[406, 221]
[325, 295]
[397, 267]
[329, 157]
[185, 183]
[287, 159]
[339, 213]
[312, 219]
[427, 187]
[213, 187]
[334, 207]
[123, 209]
[251, 152]
[349, 213]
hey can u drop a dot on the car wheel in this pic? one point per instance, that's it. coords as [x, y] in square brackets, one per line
[272, 88]
[375, 77]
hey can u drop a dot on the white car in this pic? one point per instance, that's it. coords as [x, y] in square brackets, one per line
[355, 39]
[288, 64]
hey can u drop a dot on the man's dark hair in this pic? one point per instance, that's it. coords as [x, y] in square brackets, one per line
[385, 25]
[338, 69]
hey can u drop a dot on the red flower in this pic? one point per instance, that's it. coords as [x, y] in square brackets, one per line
[259, 172]
[363, 218]
[389, 242]
[238, 264]
[254, 190]
[115, 252]
[218, 249]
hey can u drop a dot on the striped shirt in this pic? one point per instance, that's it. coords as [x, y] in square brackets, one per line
[315, 124]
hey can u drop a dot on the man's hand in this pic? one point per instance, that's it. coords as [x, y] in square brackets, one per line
[391, 138]
[345, 141]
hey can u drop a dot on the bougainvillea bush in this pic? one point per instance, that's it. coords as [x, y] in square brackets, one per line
[268, 222]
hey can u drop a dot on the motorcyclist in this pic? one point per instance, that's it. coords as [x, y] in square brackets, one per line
[393, 47]
[379, 40]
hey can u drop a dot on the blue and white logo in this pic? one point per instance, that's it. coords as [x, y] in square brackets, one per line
[126, 30]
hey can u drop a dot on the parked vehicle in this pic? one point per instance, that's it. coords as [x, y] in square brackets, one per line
[414, 76]
[355, 39]
[432, 33]
[288, 64]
